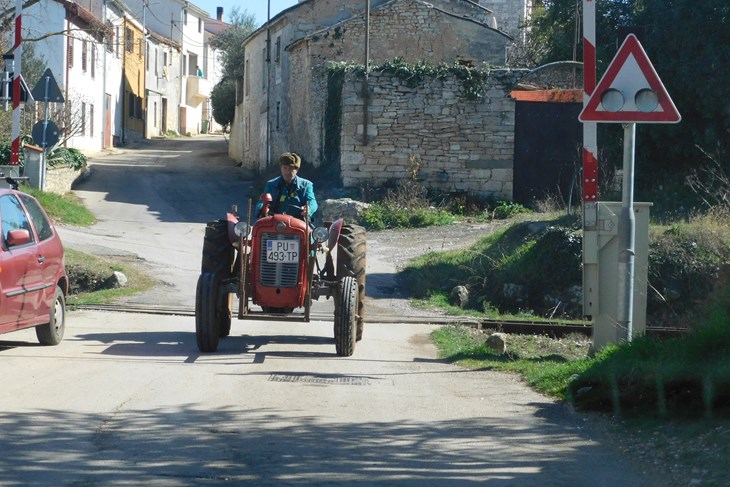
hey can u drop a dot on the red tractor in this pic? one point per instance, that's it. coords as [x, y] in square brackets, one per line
[276, 267]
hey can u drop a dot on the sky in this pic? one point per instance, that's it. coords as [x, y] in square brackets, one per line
[258, 8]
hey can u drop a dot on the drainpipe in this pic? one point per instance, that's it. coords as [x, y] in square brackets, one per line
[268, 85]
[365, 91]
[125, 97]
[105, 109]
[68, 80]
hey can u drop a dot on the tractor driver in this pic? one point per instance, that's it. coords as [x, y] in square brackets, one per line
[289, 192]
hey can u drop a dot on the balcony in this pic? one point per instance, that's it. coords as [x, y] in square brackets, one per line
[197, 89]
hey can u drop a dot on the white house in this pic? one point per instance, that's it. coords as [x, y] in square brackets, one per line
[162, 68]
[183, 23]
[70, 41]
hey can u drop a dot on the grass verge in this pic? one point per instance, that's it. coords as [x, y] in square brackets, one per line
[545, 363]
[63, 209]
[90, 277]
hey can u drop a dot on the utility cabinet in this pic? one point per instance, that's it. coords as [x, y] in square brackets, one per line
[600, 271]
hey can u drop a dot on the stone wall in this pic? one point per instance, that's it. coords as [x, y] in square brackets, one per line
[60, 179]
[462, 145]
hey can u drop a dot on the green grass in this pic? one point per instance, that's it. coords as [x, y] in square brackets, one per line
[546, 364]
[92, 269]
[680, 377]
[63, 209]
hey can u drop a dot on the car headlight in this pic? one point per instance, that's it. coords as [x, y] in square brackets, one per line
[321, 234]
[241, 229]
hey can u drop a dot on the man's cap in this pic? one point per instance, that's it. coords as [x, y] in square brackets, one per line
[290, 159]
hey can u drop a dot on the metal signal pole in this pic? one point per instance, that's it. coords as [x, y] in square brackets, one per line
[17, 54]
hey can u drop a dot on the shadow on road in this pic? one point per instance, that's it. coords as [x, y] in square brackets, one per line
[176, 344]
[194, 445]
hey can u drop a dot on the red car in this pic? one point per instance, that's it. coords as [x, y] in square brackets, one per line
[33, 281]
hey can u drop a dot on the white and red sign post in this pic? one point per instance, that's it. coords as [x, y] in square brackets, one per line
[17, 54]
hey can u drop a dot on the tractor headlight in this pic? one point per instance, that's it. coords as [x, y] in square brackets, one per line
[241, 229]
[321, 234]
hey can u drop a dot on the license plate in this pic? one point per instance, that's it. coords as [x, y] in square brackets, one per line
[282, 251]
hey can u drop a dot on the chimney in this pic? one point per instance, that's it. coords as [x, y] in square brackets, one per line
[219, 13]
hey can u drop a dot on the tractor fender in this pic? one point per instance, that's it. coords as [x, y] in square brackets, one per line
[232, 219]
[335, 229]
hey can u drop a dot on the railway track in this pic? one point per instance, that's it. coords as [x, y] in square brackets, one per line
[526, 327]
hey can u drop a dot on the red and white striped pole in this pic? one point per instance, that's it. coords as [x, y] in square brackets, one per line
[17, 54]
[590, 138]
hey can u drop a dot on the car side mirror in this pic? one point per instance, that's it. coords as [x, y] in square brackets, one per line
[18, 237]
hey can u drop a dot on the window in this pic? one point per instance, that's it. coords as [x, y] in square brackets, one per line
[117, 40]
[128, 39]
[13, 216]
[130, 105]
[156, 62]
[84, 54]
[185, 16]
[93, 60]
[40, 222]
[154, 114]
[239, 91]
[147, 57]
[140, 52]
[278, 114]
[109, 37]
[200, 25]
[91, 120]
[70, 52]
[83, 118]
[264, 70]
[277, 51]
[246, 79]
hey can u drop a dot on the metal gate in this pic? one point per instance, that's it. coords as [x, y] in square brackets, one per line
[548, 141]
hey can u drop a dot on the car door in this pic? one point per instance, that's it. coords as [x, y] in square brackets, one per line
[49, 256]
[19, 269]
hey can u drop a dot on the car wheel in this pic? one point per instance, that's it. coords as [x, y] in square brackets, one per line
[52, 332]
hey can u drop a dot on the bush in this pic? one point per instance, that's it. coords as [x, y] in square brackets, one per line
[379, 216]
[68, 156]
[508, 209]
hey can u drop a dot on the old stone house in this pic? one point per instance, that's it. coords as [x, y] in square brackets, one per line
[287, 99]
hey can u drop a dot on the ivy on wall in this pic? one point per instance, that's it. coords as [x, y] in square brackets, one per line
[333, 117]
[473, 79]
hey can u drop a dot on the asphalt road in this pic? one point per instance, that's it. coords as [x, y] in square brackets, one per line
[126, 399]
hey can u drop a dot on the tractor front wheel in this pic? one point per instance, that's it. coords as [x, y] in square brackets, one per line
[346, 316]
[207, 312]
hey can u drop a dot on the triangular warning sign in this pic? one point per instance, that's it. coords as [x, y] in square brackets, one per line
[630, 91]
[46, 89]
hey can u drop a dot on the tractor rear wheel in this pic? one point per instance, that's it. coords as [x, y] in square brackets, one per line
[346, 316]
[207, 312]
[225, 304]
[351, 257]
[217, 249]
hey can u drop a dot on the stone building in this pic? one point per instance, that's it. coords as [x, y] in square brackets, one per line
[287, 100]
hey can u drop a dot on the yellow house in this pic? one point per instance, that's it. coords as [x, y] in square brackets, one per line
[133, 74]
